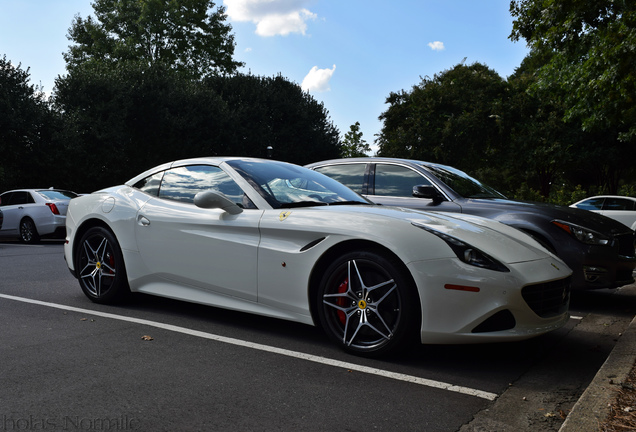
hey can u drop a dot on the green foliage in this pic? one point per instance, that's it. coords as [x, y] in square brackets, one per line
[26, 126]
[274, 112]
[151, 81]
[561, 194]
[187, 35]
[123, 120]
[627, 190]
[590, 46]
[451, 119]
[353, 145]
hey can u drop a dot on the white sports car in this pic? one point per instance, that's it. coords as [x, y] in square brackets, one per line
[280, 240]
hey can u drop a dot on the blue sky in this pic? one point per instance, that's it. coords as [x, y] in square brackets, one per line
[349, 54]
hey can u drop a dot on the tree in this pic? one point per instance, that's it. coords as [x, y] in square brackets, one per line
[274, 112]
[450, 119]
[353, 145]
[122, 121]
[26, 126]
[591, 51]
[187, 35]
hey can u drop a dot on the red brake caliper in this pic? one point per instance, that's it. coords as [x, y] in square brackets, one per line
[111, 263]
[342, 301]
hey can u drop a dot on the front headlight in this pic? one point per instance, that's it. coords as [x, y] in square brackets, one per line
[583, 235]
[467, 253]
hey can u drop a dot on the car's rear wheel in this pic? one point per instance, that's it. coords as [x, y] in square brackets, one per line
[100, 266]
[367, 304]
[28, 231]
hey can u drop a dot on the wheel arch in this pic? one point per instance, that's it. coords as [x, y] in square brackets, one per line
[81, 230]
[329, 255]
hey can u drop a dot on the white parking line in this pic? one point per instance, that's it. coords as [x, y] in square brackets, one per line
[271, 349]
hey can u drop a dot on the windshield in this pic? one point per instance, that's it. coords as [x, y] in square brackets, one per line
[462, 183]
[285, 185]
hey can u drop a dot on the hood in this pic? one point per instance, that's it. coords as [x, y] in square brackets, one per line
[492, 208]
[504, 243]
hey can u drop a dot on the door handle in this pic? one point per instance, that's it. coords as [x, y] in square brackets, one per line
[143, 221]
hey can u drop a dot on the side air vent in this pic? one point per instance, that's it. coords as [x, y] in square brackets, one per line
[311, 244]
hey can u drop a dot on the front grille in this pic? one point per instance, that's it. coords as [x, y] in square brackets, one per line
[625, 244]
[548, 299]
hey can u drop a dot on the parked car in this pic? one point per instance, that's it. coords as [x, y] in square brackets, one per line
[620, 208]
[280, 240]
[599, 250]
[31, 214]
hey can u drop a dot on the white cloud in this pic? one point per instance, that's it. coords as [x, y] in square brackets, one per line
[272, 17]
[317, 80]
[436, 46]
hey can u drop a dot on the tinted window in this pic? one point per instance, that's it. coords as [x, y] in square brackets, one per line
[350, 175]
[591, 204]
[5, 198]
[463, 184]
[57, 194]
[618, 204]
[394, 180]
[183, 183]
[150, 184]
[16, 198]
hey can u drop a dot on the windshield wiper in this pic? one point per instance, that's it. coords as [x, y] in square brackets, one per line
[302, 204]
[349, 203]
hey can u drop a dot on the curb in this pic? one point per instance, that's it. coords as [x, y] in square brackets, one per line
[592, 408]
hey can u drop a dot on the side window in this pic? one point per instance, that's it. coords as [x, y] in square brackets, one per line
[183, 183]
[5, 198]
[350, 175]
[618, 204]
[17, 198]
[592, 204]
[394, 180]
[150, 184]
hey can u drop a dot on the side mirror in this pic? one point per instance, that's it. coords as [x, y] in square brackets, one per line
[210, 199]
[427, 191]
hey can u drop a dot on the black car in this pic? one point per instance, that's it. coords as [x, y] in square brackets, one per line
[599, 250]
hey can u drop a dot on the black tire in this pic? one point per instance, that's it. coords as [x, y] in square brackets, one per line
[100, 267]
[28, 231]
[368, 305]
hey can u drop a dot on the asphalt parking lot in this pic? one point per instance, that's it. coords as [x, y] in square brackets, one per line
[158, 364]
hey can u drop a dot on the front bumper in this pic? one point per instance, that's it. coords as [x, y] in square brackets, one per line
[531, 300]
[598, 267]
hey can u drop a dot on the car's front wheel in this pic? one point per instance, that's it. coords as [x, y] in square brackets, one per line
[367, 304]
[28, 231]
[100, 266]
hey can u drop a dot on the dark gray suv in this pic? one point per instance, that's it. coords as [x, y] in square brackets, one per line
[599, 250]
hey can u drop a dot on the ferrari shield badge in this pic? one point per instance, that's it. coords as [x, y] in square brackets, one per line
[284, 215]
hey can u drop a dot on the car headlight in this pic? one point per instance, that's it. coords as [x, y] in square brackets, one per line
[467, 253]
[583, 235]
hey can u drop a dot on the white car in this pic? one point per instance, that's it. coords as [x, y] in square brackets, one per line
[31, 214]
[280, 240]
[620, 208]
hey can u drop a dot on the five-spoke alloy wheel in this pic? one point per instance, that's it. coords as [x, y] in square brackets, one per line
[367, 304]
[100, 266]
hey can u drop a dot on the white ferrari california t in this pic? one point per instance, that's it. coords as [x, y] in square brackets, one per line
[284, 241]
